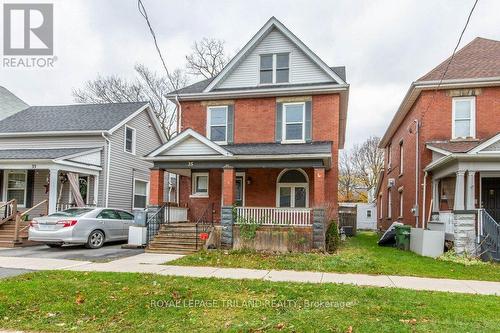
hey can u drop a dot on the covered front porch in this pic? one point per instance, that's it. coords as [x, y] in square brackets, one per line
[465, 196]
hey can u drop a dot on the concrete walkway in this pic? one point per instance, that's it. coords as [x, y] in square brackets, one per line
[152, 263]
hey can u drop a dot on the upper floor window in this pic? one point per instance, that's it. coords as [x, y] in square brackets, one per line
[389, 157]
[464, 114]
[293, 122]
[275, 68]
[217, 124]
[130, 139]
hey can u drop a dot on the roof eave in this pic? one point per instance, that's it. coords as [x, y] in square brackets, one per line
[53, 133]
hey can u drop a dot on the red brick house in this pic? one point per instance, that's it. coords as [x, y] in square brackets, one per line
[442, 148]
[264, 134]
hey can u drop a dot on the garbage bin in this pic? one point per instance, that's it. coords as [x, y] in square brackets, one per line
[403, 237]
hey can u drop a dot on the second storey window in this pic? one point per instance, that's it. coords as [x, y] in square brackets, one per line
[274, 68]
[130, 140]
[464, 110]
[293, 122]
[401, 157]
[217, 124]
[389, 157]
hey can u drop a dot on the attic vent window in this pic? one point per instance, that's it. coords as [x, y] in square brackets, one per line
[275, 68]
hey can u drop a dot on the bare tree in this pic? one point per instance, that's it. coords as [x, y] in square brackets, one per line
[368, 161]
[207, 58]
[347, 178]
[148, 86]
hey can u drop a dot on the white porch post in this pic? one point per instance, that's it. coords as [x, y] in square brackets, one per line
[53, 180]
[471, 190]
[459, 191]
[96, 190]
[435, 195]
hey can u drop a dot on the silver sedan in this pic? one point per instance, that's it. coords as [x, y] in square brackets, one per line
[90, 226]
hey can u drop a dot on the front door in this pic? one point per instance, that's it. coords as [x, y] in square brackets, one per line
[490, 197]
[239, 190]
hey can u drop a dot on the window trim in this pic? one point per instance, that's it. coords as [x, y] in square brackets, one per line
[389, 157]
[381, 207]
[401, 157]
[401, 203]
[209, 125]
[134, 139]
[133, 192]
[194, 194]
[292, 188]
[274, 68]
[389, 203]
[472, 119]
[6, 185]
[284, 123]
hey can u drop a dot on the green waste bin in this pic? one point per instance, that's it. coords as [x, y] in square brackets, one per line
[403, 237]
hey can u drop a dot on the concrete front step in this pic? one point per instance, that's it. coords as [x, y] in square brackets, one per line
[169, 251]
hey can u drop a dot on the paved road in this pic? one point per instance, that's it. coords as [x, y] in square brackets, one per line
[8, 272]
[108, 252]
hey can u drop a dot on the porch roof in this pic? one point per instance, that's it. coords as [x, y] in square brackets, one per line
[39, 154]
[320, 147]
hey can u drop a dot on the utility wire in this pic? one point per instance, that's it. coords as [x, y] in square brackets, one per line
[452, 57]
[144, 13]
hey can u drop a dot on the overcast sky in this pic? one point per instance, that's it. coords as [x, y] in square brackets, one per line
[385, 45]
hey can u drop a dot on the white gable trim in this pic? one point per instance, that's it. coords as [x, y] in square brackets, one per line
[183, 136]
[438, 150]
[485, 144]
[152, 115]
[272, 23]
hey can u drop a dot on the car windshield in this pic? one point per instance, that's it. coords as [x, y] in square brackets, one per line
[72, 212]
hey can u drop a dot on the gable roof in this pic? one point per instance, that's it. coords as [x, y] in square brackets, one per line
[460, 146]
[478, 59]
[475, 65]
[70, 118]
[10, 103]
[272, 23]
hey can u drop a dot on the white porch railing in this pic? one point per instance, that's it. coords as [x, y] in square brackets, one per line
[273, 216]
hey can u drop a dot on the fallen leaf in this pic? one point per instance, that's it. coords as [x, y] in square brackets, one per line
[80, 299]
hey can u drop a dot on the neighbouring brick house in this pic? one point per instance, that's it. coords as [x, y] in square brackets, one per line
[458, 142]
[264, 134]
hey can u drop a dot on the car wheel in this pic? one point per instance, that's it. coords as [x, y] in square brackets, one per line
[96, 240]
[55, 245]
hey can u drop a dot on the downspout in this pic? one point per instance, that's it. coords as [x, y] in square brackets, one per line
[179, 113]
[108, 164]
[423, 199]
[417, 169]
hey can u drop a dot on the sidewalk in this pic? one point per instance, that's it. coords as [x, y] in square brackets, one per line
[152, 263]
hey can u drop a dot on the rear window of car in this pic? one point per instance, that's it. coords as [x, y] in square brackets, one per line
[72, 212]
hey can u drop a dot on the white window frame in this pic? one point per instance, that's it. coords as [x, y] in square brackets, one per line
[381, 207]
[194, 176]
[472, 119]
[401, 157]
[284, 123]
[133, 193]
[389, 157]
[209, 124]
[292, 188]
[369, 216]
[401, 203]
[134, 137]
[242, 175]
[6, 185]
[274, 68]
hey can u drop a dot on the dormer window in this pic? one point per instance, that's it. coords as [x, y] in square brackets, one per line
[275, 68]
[464, 114]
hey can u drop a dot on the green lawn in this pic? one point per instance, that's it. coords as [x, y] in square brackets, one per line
[124, 302]
[359, 254]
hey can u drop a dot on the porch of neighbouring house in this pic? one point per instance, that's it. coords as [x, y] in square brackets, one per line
[27, 192]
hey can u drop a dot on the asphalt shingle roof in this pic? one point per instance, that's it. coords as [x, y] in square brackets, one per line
[10, 103]
[77, 117]
[478, 59]
[461, 146]
[319, 147]
[42, 154]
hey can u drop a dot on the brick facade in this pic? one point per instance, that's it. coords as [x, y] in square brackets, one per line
[435, 115]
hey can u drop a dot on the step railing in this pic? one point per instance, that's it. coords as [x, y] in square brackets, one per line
[205, 223]
[21, 216]
[489, 235]
[8, 211]
[274, 216]
[155, 221]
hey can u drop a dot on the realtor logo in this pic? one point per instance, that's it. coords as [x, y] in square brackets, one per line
[28, 29]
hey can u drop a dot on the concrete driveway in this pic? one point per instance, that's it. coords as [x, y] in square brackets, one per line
[108, 252]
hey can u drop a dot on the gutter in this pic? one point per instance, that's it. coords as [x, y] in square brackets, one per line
[108, 164]
[51, 133]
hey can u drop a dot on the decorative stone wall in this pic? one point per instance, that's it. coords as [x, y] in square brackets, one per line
[319, 229]
[465, 233]
[227, 223]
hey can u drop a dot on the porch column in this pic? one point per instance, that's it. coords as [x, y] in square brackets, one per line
[53, 180]
[96, 190]
[319, 187]
[435, 195]
[156, 186]
[471, 190]
[229, 186]
[459, 191]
